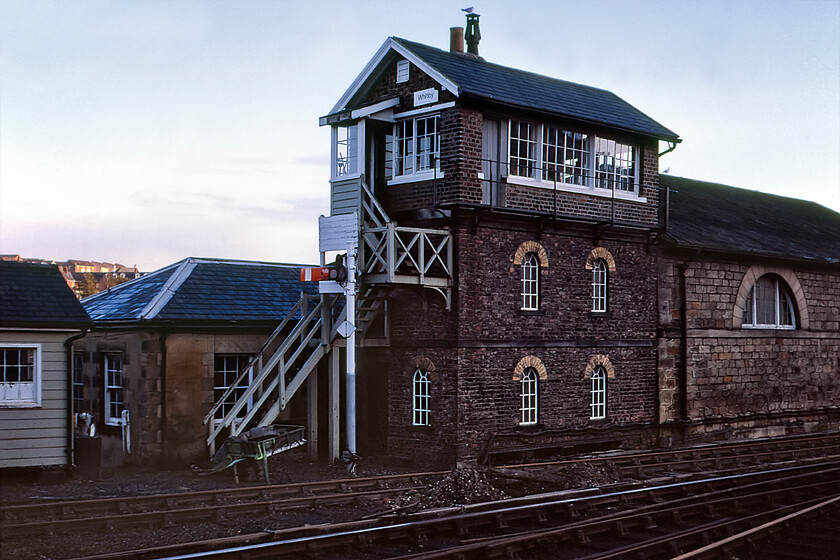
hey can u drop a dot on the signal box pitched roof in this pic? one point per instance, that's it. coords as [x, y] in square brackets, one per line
[468, 76]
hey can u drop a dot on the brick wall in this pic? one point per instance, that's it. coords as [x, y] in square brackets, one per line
[477, 346]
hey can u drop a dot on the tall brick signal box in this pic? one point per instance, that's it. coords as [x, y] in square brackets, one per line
[520, 290]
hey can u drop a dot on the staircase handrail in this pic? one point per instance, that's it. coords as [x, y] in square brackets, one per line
[375, 208]
[229, 418]
[245, 370]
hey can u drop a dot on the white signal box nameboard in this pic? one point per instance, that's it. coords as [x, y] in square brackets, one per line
[337, 233]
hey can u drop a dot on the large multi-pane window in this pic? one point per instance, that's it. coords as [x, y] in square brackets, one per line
[549, 155]
[599, 393]
[599, 285]
[114, 389]
[529, 396]
[523, 149]
[530, 282]
[226, 369]
[769, 305]
[565, 156]
[416, 146]
[421, 397]
[78, 382]
[20, 375]
[615, 166]
[346, 150]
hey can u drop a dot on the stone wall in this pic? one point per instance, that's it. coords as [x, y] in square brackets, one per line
[737, 378]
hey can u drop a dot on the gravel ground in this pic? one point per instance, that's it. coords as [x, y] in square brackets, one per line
[460, 487]
[134, 481]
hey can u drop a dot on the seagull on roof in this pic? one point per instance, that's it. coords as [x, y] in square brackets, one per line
[468, 10]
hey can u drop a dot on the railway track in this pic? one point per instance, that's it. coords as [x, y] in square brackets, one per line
[159, 511]
[735, 457]
[189, 507]
[658, 522]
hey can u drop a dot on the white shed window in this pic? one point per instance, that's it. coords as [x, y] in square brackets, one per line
[599, 393]
[226, 368]
[421, 398]
[599, 285]
[530, 282]
[565, 156]
[346, 146]
[769, 305]
[114, 390]
[78, 382]
[529, 396]
[20, 375]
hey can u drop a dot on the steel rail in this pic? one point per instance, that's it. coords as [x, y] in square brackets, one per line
[503, 517]
[161, 509]
[727, 546]
[584, 532]
[635, 459]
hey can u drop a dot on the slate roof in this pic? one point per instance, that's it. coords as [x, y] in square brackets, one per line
[197, 290]
[721, 218]
[36, 295]
[475, 77]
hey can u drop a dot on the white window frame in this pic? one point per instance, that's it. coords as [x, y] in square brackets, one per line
[229, 376]
[346, 153]
[78, 375]
[421, 398]
[20, 394]
[113, 390]
[409, 164]
[782, 300]
[529, 393]
[530, 282]
[600, 282]
[598, 409]
[593, 181]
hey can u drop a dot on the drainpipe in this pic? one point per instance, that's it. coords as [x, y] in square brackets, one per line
[682, 268]
[71, 440]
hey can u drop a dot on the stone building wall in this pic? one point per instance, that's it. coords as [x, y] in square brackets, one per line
[188, 390]
[743, 380]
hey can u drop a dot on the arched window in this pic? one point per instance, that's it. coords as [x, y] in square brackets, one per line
[599, 393]
[769, 305]
[421, 398]
[530, 282]
[599, 285]
[529, 396]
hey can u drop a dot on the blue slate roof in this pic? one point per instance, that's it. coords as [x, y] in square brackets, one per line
[204, 290]
[474, 77]
[717, 217]
[36, 295]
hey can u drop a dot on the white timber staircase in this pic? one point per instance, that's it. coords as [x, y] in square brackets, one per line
[387, 255]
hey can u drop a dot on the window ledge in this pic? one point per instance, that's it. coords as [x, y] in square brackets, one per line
[347, 177]
[563, 187]
[416, 177]
[769, 327]
[538, 312]
[600, 314]
[26, 404]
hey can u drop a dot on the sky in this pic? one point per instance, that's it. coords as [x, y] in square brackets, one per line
[146, 132]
